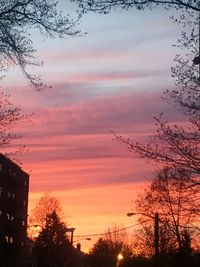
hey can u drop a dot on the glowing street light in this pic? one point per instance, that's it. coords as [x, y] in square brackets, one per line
[120, 256]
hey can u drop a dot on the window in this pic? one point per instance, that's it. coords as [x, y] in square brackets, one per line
[8, 194]
[12, 218]
[22, 244]
[23, 223]
[8, 216]
[9, 239]
[0, 212]
[13, 195]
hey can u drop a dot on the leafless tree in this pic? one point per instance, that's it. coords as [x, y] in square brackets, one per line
[47, 204]
[144, 239]
[10, 115]
[107, 5]
[186, 74]
[177, 145]
[116, 234]
[177, 202]
[17, 18]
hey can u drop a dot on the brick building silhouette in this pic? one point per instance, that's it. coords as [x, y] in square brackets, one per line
[14, 185]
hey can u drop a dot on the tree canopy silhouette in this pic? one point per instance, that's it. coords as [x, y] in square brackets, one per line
[52, 245]
[177, 202]
[45, 206]
[105, 251]
[17, 18]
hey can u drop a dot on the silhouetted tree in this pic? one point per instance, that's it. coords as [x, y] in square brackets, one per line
[177, 145]
[10, 116]
[45, 206]
[17, 18]
[101, 254]
[177, 202]
[105, 251]
[116, 234]
[52, 245]
[144, 239]
[107, 5]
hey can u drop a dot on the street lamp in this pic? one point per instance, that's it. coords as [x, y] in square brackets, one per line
[156, 232]
[120, 257]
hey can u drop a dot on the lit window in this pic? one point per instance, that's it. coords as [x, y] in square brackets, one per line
[9, 194]
[11, 240]
[12, 218]
[13, 195]
[22, 244]
[7, 239]
[23, 223]
[8, 216]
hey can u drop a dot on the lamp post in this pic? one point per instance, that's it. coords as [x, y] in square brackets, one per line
[120, 257]
[156, 232]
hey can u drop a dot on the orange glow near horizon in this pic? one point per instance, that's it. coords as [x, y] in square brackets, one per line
[101, 207]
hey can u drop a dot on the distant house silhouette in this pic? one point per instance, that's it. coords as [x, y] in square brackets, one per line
[14, 186]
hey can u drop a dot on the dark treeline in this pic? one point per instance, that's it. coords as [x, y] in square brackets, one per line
[53, 246]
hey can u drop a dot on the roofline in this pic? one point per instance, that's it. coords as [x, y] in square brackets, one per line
[12, 162]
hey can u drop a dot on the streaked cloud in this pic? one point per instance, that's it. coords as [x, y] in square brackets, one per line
[110, 79]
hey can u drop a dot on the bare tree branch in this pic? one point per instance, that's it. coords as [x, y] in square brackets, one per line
[17, 17]
[108, 5]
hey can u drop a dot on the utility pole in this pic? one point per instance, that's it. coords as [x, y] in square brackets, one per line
[156, 237]
[156, 234]
[71, 230]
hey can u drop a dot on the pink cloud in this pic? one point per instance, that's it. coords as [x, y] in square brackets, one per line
[122, 112]
[93, 55]
[110, 76]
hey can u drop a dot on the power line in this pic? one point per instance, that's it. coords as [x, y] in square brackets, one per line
[112, 232]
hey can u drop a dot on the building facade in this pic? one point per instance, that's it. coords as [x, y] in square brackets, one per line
[14, 186]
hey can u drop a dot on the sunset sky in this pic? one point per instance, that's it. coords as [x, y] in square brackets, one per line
[110, 79]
